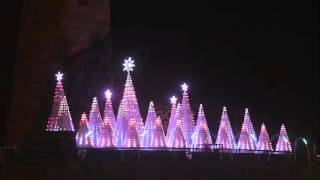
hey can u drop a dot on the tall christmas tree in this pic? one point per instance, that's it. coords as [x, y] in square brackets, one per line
[187, 119]
[225, 135]
[248, 139]
[172, 121]
[158, 140]
[264, 143]
[132, 138]
[283, 143]
[149, 126]
[60, 118]
[108, 110]
[82, 136]
[107, 136]
[178, 138]
[128, 108]
[95, 124]
[201, 134]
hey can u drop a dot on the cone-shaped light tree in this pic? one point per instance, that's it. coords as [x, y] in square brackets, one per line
[264, 143]
[247, 139]
[107, 136]
[82, 136]
[178, 138]
[201, 135]
[149, 127]
[172, 121]
[108, 110]
[158, 140]
[132, 138]
[60, 118]
[95, 124]
[187, 119]
[128, 108]
[283, 143]
[225, 135]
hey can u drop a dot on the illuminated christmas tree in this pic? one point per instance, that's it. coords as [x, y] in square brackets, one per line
[158, 140]
[178, 138]
[129, 108]
[264, 143]
[172, 122]
[82, 136]
[132, 138]
[245, 142]
[283, 143]
[149, 126]
[225, 135]
[95, 124]
[201, 134]
[247, 138]
[107, 137]
[108, 110]
[187, 120]
[60, 118]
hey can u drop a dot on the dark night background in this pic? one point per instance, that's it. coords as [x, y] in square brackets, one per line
[263, 58]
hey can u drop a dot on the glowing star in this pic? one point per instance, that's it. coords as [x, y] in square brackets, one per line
[59, 76]
[128, 64]
[184, 87]
[108, 94]
[173, 100]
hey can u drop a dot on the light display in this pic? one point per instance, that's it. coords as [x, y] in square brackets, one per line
[283, 144]
[172, 122]
[186, 114]
[225, 135]
[132, 138]
[95, 124]
[149, 127]
[201, 135]
[247, 139]
[158, 140]
[264, 143]
[128, 108]
[127, 130]
[108, 110]
[178, 138]
[83, 136]
[106, 136]
[60, 118]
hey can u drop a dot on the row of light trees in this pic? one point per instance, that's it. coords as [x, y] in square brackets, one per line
[127, 129]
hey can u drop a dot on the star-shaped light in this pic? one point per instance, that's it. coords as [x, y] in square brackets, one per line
[108, 94]
[184, 87]
[173, 100]
[128, 64]
[59, 76]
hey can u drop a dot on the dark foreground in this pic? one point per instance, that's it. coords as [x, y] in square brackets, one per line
[157, 165]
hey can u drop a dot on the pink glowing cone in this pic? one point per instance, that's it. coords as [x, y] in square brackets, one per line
[95, 124]
[179, 140]
[82, 136]
[283, 143]
[172, 123]
[225, 135]
[149, 126]
[264, 143]
[201, 136]
[108, 111]
[106, 137]
[187, 119]
[60, 118]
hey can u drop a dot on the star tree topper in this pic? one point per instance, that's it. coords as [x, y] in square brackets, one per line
[128, 65]
[108, 94]
[173, 100]
[184, 87]
[59, 76]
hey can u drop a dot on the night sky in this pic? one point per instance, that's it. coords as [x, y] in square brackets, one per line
[260, 58]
